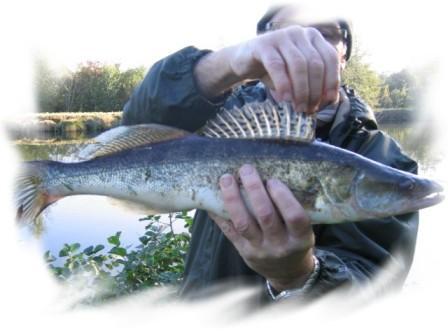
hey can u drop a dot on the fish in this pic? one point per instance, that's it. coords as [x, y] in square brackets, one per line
[166, 169]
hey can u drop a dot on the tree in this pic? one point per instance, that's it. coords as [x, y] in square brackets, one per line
[47, 87]
[385, 100]
[362, 78]
[127, 82]
[92, 87]
[403, 88]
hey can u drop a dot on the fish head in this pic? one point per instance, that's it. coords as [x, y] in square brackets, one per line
[387, 192]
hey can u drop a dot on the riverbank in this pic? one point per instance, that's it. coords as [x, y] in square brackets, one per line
[62, 124]
[395, 116]
[67, 124]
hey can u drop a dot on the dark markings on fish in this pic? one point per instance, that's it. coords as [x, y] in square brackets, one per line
[309, 194]
[68, 186]
[193, 195]
[147, 175]
[341, 177]
[20, 211]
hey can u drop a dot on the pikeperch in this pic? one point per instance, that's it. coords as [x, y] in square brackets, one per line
[167, 169]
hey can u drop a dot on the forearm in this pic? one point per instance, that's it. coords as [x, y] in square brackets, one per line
[214, 75]
[169, 94]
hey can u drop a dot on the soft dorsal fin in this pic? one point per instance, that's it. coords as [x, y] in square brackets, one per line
[127, 137]
[262, 120]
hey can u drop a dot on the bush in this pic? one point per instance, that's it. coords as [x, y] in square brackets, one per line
[157, 261]
[93, 86]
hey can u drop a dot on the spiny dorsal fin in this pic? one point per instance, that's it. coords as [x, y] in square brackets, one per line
[127, 137]
[265, 120]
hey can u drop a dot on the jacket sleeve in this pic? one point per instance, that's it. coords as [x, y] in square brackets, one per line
[352, 254]
[168, 94]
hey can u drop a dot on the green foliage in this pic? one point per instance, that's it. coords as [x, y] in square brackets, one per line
[100, 87]
[119, 270]
[397, 90]
[47, 87]
[359, 76]
[92, 87]
[403, 87]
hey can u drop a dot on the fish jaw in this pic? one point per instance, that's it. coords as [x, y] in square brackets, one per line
[395, 194]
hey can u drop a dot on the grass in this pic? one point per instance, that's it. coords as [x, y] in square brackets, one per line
[60, 123]
[79, 123]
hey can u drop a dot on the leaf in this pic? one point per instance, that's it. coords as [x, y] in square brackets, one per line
[114, 240]
[74, 247]
[65, 251]
[98, 248]
[144, 240]
[149, 217]
[118, 251]
[48, 257]
[88, 250]
[98, 259]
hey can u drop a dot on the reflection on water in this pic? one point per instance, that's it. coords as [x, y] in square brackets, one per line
[90, 219]
[418, 143]
[49, 150]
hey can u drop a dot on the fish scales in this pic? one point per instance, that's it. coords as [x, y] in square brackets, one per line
[184, 174]
[167, 169]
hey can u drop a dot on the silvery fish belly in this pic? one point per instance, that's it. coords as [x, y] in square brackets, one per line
[167, 170]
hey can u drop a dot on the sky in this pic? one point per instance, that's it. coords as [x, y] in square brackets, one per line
[394, 35]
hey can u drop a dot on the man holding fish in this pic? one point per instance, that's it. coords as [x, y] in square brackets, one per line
[269, 239]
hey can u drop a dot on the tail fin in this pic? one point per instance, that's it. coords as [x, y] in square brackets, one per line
[31, 195]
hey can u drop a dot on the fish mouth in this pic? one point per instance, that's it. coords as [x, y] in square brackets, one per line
[404, 195]
[431, 199]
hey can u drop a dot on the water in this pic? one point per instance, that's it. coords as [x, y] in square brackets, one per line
[89, 220]
[86, 219]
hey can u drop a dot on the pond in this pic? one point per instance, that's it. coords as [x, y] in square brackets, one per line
[89, 220]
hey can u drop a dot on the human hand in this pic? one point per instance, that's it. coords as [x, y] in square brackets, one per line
[296, 63]
[275, 237]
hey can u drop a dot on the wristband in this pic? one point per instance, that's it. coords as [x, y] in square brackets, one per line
[297, 292]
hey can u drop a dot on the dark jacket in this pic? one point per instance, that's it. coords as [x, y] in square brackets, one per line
[350, 254]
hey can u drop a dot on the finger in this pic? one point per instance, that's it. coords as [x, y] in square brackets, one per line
[243, 222]
[315, 69]
[227, 229]
[296, 220]
[332, 68]
[298, 73]
[275, 67]
[260, 203]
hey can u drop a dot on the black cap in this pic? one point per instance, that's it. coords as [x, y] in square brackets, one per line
[262, 25]
[347, 37]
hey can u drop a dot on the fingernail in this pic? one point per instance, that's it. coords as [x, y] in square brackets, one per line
[246, 170]
[225, 181]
